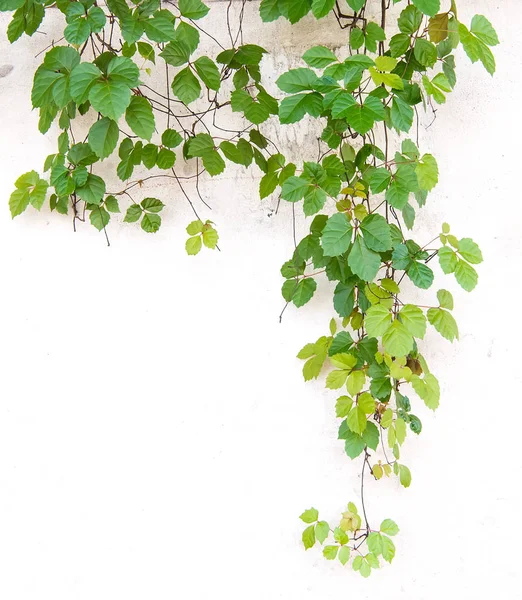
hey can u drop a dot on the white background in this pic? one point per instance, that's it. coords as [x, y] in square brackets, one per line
[156, 437]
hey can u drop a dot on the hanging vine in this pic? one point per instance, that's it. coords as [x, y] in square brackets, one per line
[369, 178]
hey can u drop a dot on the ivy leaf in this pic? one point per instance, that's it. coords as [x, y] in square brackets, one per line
[376, 233]
[404, 476]
[304, 291]
[377, 320]
[444, 323]
[294, 108]
[427, 172]
[103, 137]
[30, 189]
[99, 218]
[388, 549]
[110, 98]
[93, 190]
[81, 80]
[193, 9]
[354, 444]
[297, 80]
[309, 537]
[466, 276]
[448, 260]
[319, 57]
[322, 530]
[193, 245]
[140, 118]
[401, 114]
[414, 320]
[420, 274]
[344, 554]
[428, 7]
[186, 86]
[389, 527]
[362, 261]
[337, 235]
[320, 8]
[208, 72]
[470, 251]
[482, 28]
[294, 188]
[397, 340]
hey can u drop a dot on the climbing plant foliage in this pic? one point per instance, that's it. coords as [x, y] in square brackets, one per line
[96, 87]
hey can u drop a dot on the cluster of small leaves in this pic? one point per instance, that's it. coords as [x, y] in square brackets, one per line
[363, 199]
[348, 536]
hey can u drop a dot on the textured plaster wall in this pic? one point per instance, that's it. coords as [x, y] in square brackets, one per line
[156, 438]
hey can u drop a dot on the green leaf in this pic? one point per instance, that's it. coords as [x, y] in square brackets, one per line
[310, 516]
[401, 114]
[81, 80]
[343, 406]
[309, 537]
[319, 57]
[330, 552]
[77, 32]
[304, 291]
[341, 343]
[354, 444]
[388, 549]
[444, 323]
[379, 180]
[397, 340]
[445, 299]
[320, 8]
[414, 320]
[376, 233]
[294, 108]
[297, 80]
[356, 420]
[193, 245]
[110, 98]
[377, 320]
[93, 190]
[448, 260]
[344, 554]
[374, 542]
[410, 20]
[428, 7]
[171, 138]
[122, 70]
[404, 476]
[103, 137]
[30, 189]
[208, 72]
[165, 159]
[362, 261]
[160, 28]
[133, 213]
[322, 530]
[140, 118]
[99, 218]
[427, 172]
[483, 29]
[152, 205]
[466, 276]
[193, 9]
[420, 274]
[470, 251]
[389, 527]
[337, 235]
[176, 53]
[425, 52]
[294, 188]
[186, 86]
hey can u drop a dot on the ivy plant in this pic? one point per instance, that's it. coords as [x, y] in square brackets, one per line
[361, 194]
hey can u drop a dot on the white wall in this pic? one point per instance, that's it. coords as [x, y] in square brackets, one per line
[156, 437]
